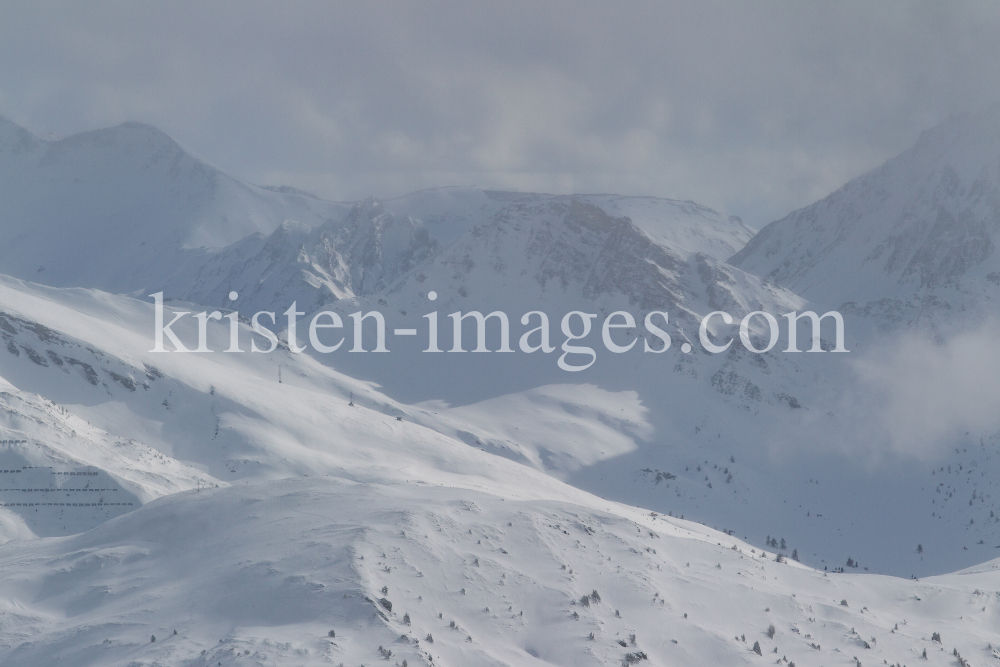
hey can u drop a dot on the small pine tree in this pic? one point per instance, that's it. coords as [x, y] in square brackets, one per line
[406, 619]
[756, 648]
[783, 546]
[795, 554]
[152, 639]
[770, 631]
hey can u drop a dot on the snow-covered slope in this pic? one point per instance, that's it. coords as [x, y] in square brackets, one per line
[450, 212]
[916, 236]
[227, 414]
[325, 571]
[144, 574]
[60, 475]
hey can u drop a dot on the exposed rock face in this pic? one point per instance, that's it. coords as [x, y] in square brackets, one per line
[359, 255]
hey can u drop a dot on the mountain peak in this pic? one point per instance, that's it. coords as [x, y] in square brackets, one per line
[125, 138]
[925, 220]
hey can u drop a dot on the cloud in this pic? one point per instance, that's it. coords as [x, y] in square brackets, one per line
[752, 108]
[909, 396]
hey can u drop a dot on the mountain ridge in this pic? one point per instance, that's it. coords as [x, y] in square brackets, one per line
[922, 227]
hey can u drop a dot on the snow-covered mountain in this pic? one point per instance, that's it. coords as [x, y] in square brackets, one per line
[125, 209]
[325, 571]
[914, 237]
[492, 490]
[482, 250]
[379, 242]
[681, 434]
[312, 266]
[319, 504]
[573, 251]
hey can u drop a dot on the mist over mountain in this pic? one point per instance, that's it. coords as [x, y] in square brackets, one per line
[488, 495]
[124, 209]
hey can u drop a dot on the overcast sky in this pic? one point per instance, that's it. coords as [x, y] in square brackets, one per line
[752, 108]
